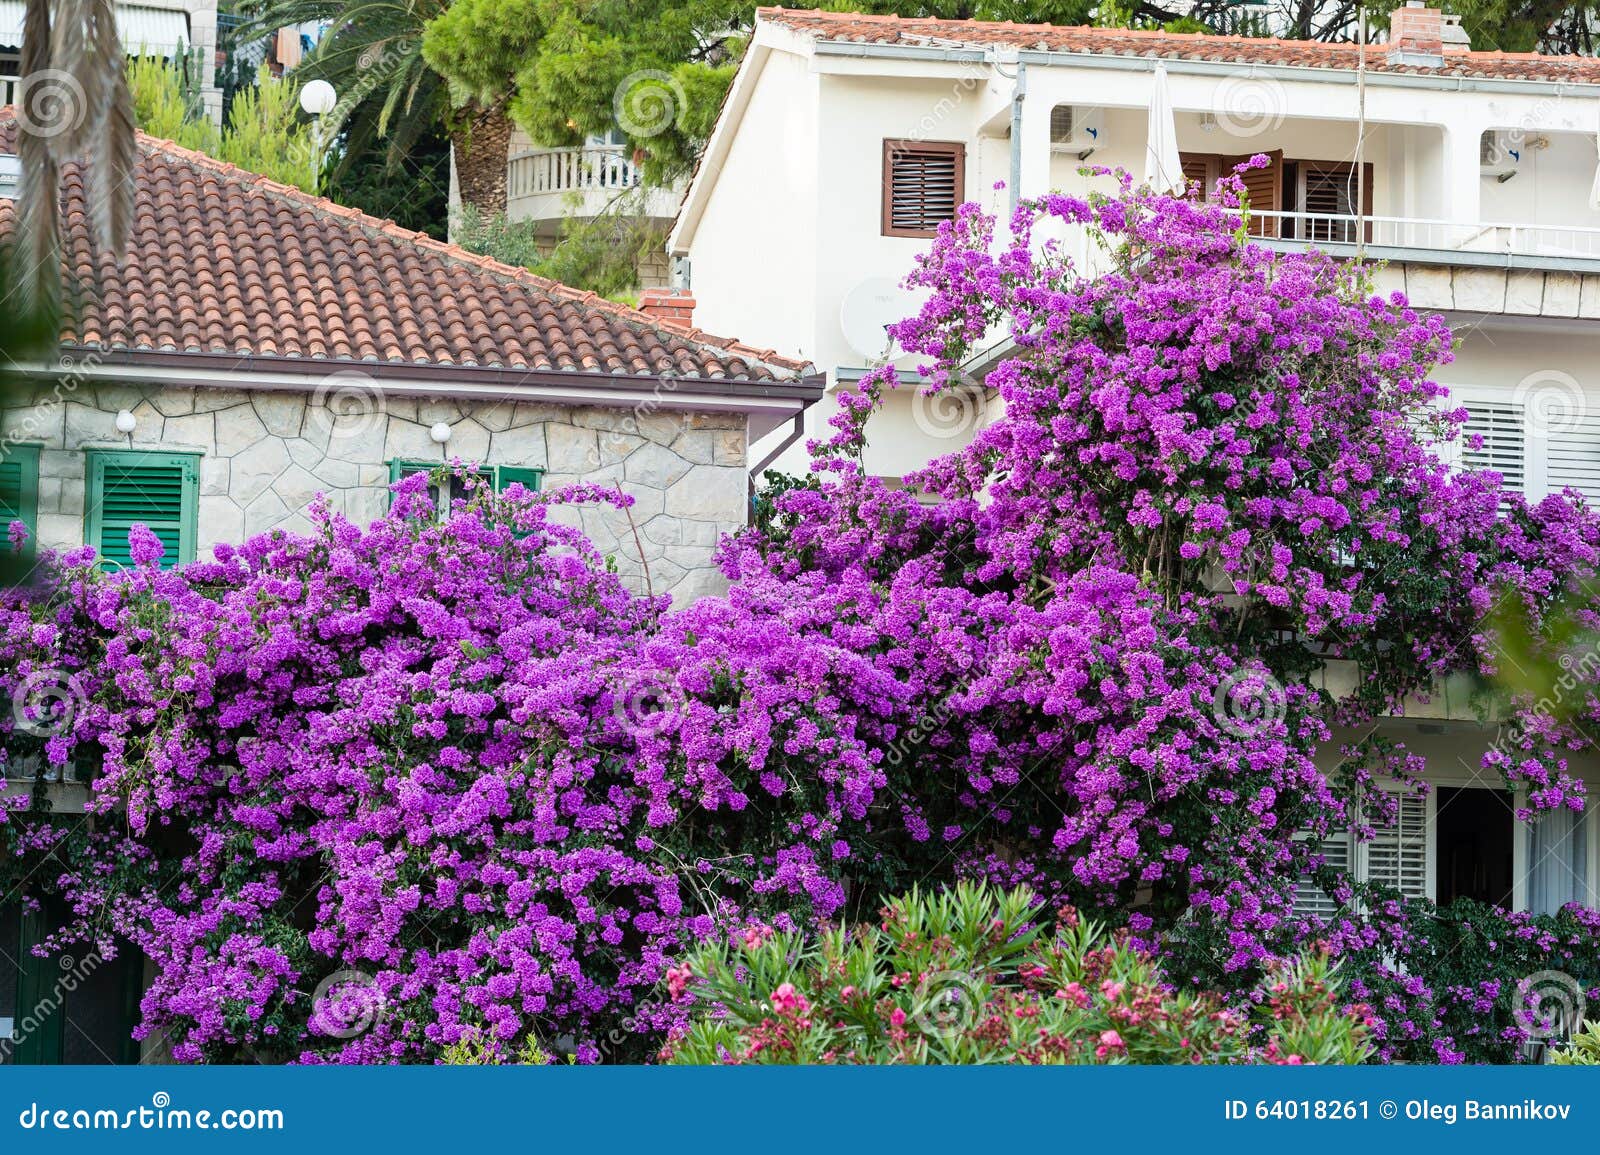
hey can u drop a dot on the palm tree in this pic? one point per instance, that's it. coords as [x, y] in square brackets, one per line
[72, 103]
[372, 55]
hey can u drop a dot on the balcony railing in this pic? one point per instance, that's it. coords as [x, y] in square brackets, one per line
[1553, 241]
[561, 170]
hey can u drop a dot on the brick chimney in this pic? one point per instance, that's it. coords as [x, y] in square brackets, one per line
[1416, 35]
[668, 305]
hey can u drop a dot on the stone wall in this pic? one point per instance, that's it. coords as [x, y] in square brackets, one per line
[266, 455]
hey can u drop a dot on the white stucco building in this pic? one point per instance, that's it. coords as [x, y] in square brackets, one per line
[845, 140]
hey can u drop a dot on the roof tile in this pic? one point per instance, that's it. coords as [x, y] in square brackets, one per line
[221, 260]
[855, 28]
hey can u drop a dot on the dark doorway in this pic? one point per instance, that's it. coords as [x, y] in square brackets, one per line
[1475, 833]
[72, 1007]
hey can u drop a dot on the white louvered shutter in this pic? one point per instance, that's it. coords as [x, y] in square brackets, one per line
[1397, 856]
[1504, 447]
[1573, 458]
[1311, 899]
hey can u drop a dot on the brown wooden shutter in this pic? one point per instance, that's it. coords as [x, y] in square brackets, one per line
[1203, 169]
[1265, 189]
[923, 183]
[1327, 191]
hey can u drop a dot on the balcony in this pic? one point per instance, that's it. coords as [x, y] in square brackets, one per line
[1555, 247]
[549, 184]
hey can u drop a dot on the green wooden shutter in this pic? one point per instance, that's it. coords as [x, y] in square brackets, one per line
[158, 490]
[40, 1018]
[19, 488]
[505, 475]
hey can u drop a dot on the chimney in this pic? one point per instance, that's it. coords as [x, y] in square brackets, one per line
[1416, 36]
[668, 305]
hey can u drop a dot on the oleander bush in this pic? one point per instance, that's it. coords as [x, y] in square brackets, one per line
[1582, 1051]
[971, 975]
[443, 785]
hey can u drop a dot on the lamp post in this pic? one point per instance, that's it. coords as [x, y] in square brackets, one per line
[318, 99]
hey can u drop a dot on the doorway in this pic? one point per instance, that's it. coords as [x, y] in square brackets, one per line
[1475, 832]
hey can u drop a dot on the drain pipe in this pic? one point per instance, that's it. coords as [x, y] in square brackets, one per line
[999, 58]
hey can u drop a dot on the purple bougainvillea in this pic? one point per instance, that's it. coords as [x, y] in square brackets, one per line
[365, 795]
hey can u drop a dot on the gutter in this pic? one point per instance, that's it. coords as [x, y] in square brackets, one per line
[766, 404]
[913, 52]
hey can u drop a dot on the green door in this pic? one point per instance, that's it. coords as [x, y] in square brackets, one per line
[72, 1007]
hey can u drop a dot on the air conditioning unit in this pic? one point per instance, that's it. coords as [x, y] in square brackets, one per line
[1498, 153]
[1076, 129]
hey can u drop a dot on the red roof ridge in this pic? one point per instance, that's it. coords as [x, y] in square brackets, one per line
[515, 273]
[917, 25]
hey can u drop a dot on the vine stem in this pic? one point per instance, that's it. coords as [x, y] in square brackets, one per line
[649, 587]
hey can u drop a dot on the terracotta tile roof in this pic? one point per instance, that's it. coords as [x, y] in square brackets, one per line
[859, 29]
[226, 261]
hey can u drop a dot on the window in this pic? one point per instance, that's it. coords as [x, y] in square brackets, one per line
[1398, 855]
[923, 184]
[1263, 186]
[158, 490]
[19, 488]
[499, 478]
[1572, 456]
[1311, 899]
[1504, 443]
[1558, 860]
[1327, 196]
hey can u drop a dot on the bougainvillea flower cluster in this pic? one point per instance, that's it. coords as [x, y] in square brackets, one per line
[369, 794]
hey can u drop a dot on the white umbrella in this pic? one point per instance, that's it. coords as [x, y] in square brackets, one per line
[1594, 190]
[1163, 171]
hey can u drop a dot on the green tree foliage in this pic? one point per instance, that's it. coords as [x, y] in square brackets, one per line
[372, 55]
[265, 132]
[600, 254]
[655, 70]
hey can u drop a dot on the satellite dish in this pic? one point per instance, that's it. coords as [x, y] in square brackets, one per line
[869, 309]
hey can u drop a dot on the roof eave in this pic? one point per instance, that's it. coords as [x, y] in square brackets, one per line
[1443, 81]
[564, 386]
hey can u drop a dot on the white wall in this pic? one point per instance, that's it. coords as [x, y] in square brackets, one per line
[754, 257]
[792, 224]
[1551, 185]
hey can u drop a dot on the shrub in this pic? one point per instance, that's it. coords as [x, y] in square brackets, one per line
[969, 975]
[365, 795]
[1582, 1051]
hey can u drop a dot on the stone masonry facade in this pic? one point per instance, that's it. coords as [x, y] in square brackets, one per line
[265, 455]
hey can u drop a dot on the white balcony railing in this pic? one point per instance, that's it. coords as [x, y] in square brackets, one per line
[1555, 241]
[561, 170]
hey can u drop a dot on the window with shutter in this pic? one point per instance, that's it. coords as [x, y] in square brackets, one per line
[1572, 457]
[1311, 899]
[19, 488]
[158, 490]
[1263, 189]
[1202, 169]
[506, 475]
[923, 184]
[1327, 191]
[1397, 856]
[498, 477]
[1504, 445]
